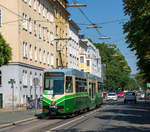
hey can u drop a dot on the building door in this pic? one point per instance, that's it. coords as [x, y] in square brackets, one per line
[1, 100]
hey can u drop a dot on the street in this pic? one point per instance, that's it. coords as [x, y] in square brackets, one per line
[111, 117]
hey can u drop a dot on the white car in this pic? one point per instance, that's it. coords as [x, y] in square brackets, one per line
[130, 96]
[112, 96]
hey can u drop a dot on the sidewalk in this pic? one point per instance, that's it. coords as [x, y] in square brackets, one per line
[9, 117]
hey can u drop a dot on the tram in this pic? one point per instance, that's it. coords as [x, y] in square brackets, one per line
[69, 91]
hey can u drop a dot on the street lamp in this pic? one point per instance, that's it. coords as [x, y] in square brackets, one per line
[104, 37]
[94, 26]
[75, 4]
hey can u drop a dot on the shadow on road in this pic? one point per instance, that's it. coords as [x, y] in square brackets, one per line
[126, 129]
[138, 115]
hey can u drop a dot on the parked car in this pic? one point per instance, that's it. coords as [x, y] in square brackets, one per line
[112, 96]
[130, 96]
[121, 94]
[148, 96]
[142, 95]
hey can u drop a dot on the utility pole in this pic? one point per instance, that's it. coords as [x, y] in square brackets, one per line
[12, 82]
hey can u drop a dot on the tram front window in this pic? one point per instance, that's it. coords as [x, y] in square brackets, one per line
[54, 85]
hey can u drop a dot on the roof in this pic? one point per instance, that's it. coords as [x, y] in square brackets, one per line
[77, 73]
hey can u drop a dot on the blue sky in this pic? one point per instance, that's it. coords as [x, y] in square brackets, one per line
[105, 13]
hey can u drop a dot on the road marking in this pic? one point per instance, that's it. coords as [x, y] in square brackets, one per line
[65, 124]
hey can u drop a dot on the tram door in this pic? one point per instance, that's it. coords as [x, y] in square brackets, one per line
[1, 100]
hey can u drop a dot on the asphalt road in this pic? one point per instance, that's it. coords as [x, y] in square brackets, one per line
[111, 117]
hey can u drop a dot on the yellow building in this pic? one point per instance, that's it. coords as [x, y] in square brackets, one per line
[30, 26]
[61, 32]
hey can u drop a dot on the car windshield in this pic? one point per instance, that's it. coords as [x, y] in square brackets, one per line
[111, 94]
[130, 93]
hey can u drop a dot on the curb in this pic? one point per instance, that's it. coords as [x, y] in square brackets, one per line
[17, 122]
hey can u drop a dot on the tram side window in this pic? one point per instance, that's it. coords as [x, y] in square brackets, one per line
[69, 84]
[81, 85]
[94, 90]
[90, 89]
[77, 80]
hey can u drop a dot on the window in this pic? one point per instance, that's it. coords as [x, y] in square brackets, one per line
[47, 36]
[35, 4]
[44, 33]
[24, 49]
[43, 11]
[24, 21]
[24, 78]
[56, 30]
[39, 5]
[69, 84]
[40, 52]
[47, 13]
[35, 27]
[30, 25]
[30, 52]
[0, 78]
[44, 57]
[51, 36]
[30, 3]
[25, 1]
[35, 53]
[39, 31]
[81, 59]
[48, 59]
[0, 18]
[88, 62]
[30, 78]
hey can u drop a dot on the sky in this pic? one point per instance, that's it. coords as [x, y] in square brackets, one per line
[110, 16]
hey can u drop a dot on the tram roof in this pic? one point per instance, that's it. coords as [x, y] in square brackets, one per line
[75, 72]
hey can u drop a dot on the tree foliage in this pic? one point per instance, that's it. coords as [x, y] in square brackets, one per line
[138, 32]
[117, 69]
[5, 51]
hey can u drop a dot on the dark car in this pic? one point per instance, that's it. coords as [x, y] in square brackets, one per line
[130, 97]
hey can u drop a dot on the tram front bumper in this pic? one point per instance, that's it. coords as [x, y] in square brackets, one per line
[53, 109]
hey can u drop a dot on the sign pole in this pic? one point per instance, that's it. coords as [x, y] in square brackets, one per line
[35, 82]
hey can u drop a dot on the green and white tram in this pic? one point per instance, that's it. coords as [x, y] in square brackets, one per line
[69, 91]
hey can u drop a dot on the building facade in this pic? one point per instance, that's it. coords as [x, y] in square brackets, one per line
[61, 32]
[90, 60]
[73, 46]
[28, 26]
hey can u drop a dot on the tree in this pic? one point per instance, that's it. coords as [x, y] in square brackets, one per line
[138, 32]
[117, 69]
[5, 52]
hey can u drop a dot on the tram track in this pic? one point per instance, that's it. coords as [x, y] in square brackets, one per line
[81, 119]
